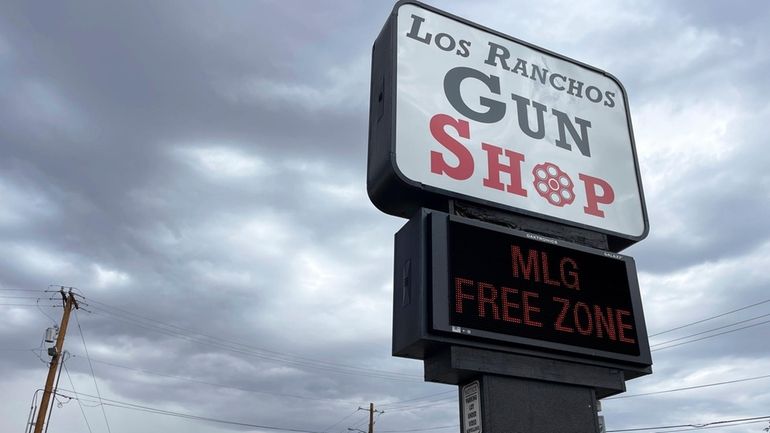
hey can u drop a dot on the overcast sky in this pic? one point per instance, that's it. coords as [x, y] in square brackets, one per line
[197, 170]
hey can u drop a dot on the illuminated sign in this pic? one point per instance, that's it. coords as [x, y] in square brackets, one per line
[504, 285]
[465, 282]
[459, 111]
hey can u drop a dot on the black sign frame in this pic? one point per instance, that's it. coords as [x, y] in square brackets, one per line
[421, 322]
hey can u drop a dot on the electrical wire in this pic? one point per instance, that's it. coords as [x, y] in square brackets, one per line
[424, 397]
[362, 421]
[22, 290]
[707, 385]
[711, 336]
[223, 344]
[125, 405]
[717, 426]
[142, 408]
[694, 425]
[710, 318]
[85, 418]
[265, 354]
[340, 421]
[44, 313]
[687, 388]
[421, 429]
[440, 402]
[91, 366]
[657, 392]
[194, 333]
[219, 385]
[710, 330]
[26, 305]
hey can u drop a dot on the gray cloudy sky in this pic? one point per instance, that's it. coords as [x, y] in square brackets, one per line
[197, 170]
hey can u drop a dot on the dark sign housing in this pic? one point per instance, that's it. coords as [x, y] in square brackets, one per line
[475, 284]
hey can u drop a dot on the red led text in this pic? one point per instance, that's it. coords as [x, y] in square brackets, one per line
[504, 303]
[537, 266]
[593, 320]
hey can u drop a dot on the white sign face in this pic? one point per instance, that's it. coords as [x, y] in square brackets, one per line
[493, 119]
[471, 408]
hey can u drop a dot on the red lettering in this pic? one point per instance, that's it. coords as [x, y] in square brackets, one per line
[528, 320]
[605, 323]
[438, 165]
[495, 167]
[584, 327]
[484, 299]
[574, 280]
[593, 198]
[459, 295]
[559, 324]
[517, 261]
[507, 305]
[546, 277]
[622, 327]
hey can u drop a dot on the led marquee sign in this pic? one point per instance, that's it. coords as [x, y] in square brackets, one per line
[491, 285]
[506, 286]
[459, 111]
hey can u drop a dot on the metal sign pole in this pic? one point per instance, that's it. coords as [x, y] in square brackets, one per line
[523, 394]
[510, 404]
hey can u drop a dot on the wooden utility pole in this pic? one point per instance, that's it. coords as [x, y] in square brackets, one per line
[69, 304]
[371, 417]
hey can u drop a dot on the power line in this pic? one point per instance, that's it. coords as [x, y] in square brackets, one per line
[421, 429]
[142, 408]
[245, 350]
[277, 353]
[706, 385]
[22, 290]
[24, 305]
[431, 404]
[125, 405]
[687, 388]
[694, 425]
[340, 421]
[424, 397]
[360, 423]
[90, 365]
[710, 330]
[44, 313]
[710, 318]
[711, 336]
[66, 370]
[718, 426]
[220, 385]
[270, 355]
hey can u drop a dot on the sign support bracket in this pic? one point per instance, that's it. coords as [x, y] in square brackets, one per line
[529, 224]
